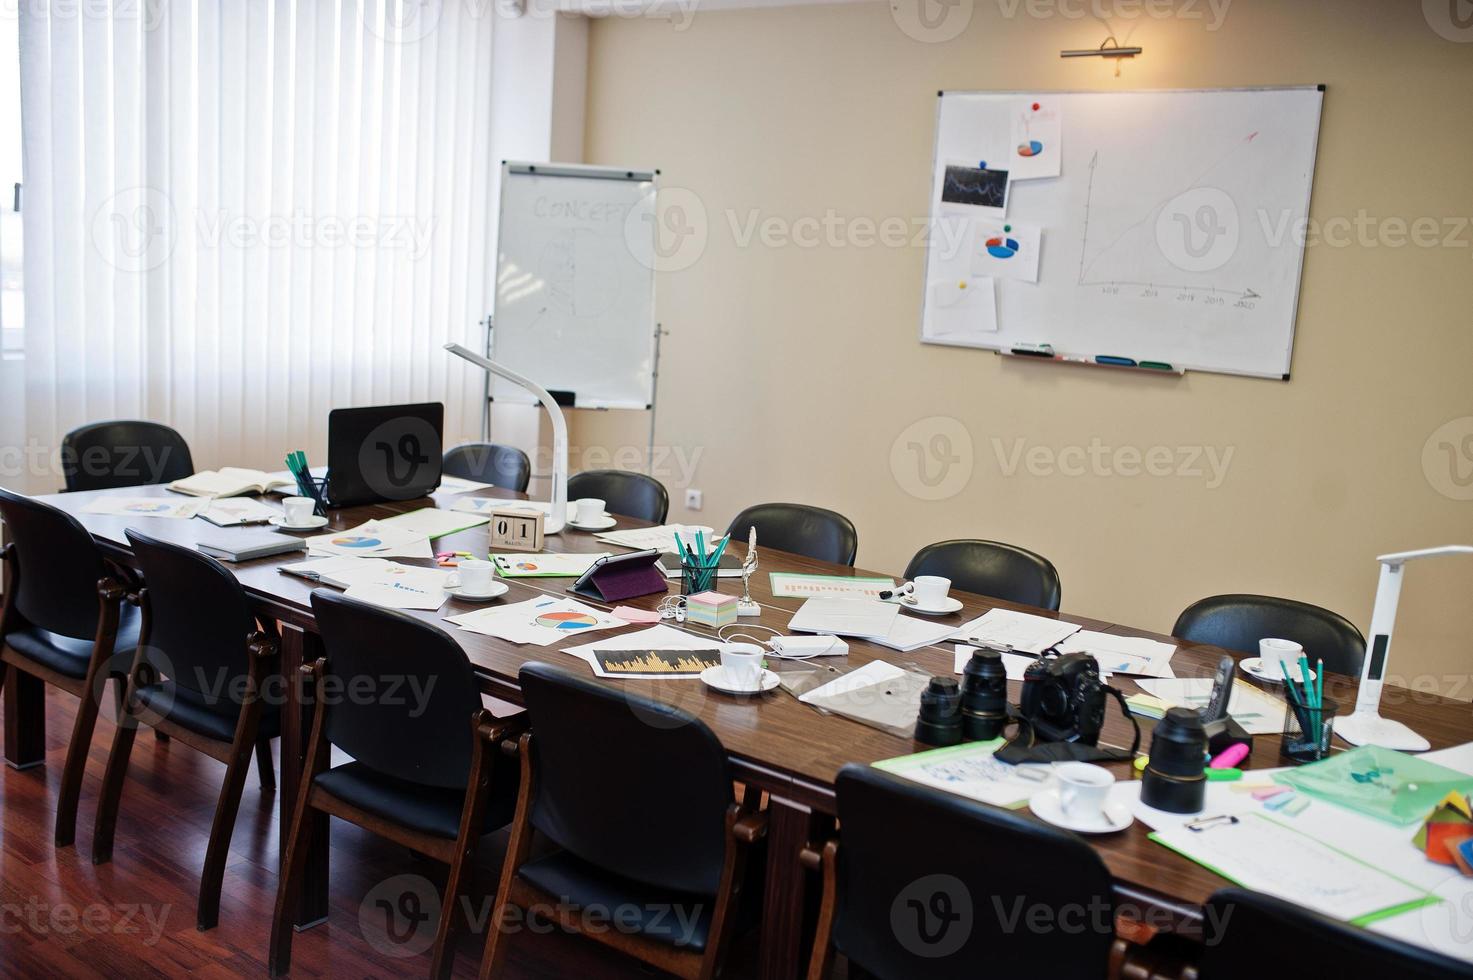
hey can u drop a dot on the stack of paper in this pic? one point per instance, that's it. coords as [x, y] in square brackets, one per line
[908, 633]
[376, 538]
[542, 621]
[432, 522]
[338, 570]
[484, 505]
[400, 587]
[1021, 631]
[868, 619]
[661, 538]
[1123, 654]
[238, 510]
[1014, 663]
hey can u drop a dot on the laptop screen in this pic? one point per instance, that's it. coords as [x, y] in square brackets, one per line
[384, 452]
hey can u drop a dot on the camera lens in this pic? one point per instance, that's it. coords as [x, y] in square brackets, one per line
[940, 719]
[1174, 779]
[984, 696]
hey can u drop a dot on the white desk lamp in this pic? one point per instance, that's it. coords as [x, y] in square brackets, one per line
[559, 513]
[1366, 726]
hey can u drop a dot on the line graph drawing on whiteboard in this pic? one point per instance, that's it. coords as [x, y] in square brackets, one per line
[578, 274]
[1179, 249]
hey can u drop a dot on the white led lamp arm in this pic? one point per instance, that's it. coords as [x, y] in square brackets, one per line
[559, 511]
[1366, 726]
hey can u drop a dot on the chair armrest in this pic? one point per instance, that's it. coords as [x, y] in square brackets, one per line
[814, 858]
[496, 731]
[749, 828]
[262, 646]
[111, 590]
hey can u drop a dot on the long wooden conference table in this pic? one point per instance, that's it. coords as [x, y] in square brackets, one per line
[787, 749]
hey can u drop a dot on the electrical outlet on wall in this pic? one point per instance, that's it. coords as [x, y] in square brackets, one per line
[694, 500]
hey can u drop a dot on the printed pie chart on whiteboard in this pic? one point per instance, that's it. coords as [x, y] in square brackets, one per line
[1002, 248]
[1032, 148]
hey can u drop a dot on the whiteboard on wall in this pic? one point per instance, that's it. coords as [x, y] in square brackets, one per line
[575, 286]
[1173, 231]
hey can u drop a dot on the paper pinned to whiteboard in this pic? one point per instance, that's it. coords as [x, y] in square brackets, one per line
[1037, 140]
[964, 308]
[1006, 250]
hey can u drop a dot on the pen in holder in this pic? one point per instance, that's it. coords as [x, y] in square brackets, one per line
[307, 484]
[696, 578]
[1307, 728]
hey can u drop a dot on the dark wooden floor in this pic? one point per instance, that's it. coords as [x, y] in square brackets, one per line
[62, 916]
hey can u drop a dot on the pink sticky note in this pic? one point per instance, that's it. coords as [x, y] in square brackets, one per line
[1269, 791]
[631, 615]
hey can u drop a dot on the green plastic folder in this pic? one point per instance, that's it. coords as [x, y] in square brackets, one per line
[1382, 783]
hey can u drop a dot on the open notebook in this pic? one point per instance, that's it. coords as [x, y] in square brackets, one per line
[230, 481]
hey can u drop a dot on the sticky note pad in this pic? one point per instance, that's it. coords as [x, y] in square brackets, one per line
[1268, 792]
[1280, 801]
[1297, 805]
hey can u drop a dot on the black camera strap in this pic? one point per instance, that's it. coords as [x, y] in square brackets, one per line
[1025, 746]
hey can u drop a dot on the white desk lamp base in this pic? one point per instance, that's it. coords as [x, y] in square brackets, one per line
[1364, 728]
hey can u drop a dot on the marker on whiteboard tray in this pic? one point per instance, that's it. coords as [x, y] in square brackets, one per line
[1114, 361]
[1033, 350]
[1156, 366]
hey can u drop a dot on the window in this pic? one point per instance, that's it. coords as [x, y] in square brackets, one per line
[12, 288]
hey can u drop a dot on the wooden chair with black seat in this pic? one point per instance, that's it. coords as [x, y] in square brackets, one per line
[199, 675]
[623, 492]
[923, 883]
[991, 568]
[1238, 622]
[424, 774]
[488, 462]
[1250, 934]
[123, 453]
[800, 529]
[623, 844]
[67, 623]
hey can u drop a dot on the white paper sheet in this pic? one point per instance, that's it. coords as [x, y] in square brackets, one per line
[394, 585]
[962, 308]
[1021, 631]
[1006, 250]
[971, 771]
[336, 570]
[541, 621]
[370, 538]
[433, 522]
[233, 511]
[793, 585]
[1123, 654]
[457, 484]
[514, 565]
[1014, 663]
[874, 672]
[146, 507]
[662, 537]
[483, 505]
[1257, 712]
[659, 637]
[1037, 139]
[909, 633]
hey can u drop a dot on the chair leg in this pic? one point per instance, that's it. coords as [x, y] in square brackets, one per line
[113, 779]
[264, 767]
[207, 909]
[289, 887]
[76, 764]
[472, 816]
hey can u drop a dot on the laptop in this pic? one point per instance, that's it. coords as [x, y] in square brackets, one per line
[384, 452]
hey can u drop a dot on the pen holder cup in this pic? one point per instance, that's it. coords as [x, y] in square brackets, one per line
[319, 493]
[695, 579]
[1307, 730]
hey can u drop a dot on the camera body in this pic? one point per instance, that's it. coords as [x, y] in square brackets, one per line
[1063, 699]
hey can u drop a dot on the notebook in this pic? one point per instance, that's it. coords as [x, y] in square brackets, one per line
[229, 481]
[865, 618]
[246, 545]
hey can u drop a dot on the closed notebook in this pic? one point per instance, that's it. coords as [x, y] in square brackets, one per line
[246, 545]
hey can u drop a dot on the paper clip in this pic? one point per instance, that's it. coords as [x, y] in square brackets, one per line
[1207, 823]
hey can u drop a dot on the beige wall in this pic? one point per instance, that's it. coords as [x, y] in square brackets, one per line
[791, 112]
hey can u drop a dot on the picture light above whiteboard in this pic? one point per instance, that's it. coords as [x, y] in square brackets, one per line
[575, 283]
[1159, 229]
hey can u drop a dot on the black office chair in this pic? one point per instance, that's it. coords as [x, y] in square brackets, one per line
[991, 568]
[1238, 622]
[198, 677]
[408, 711]
[1258, 935]
[624, 841]
[630, 494]
[66, 623]
[966, 892]
[801, 530]
[488, 462]
[106, 455]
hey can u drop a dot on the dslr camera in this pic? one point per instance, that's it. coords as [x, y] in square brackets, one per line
[1063, 699]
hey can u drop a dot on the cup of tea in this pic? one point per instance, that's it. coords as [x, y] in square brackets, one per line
[298, 510]
[742, 664]
[930, 590]
[472, 576]
[1275, 651]
[587, 510]
[1083, 789]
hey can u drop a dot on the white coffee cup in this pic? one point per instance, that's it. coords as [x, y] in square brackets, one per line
[930, 590]
[1083, 789]
[298, 510]
[1274, 652]
[742, 664]
[588, 510]
[471, 576]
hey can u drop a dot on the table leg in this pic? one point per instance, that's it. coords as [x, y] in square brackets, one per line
[25, 719]
[298, 647]
[785, 904]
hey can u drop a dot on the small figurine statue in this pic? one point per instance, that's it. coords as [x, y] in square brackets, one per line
[745, 605]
